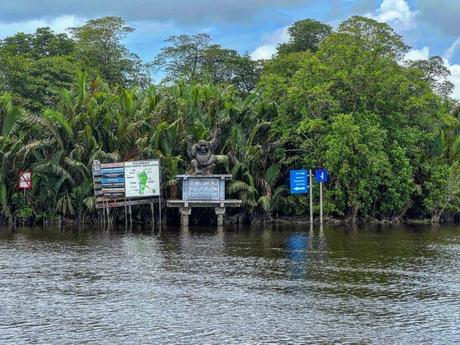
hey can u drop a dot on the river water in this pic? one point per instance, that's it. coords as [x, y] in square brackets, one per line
[256, 285]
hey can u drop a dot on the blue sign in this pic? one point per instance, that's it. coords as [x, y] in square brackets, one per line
[112, 180]
[299, 181]
[113, 172]
[321, 175]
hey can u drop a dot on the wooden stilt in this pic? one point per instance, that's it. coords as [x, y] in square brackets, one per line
[220, 212]
[153, 213]
[185, 212]
[126, 215]
[130, 215]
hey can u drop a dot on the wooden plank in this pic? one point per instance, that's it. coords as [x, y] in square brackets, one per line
[204, 203]
[220, 176]
[123, 203]
[112, 165]
[113, 180]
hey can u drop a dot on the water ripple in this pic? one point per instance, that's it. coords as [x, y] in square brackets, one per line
[248, 286]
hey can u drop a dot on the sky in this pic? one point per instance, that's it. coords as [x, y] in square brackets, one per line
[253, 26]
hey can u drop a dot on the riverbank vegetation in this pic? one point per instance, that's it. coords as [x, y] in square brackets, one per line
[341, 98]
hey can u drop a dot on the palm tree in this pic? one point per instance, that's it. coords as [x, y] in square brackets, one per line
[11, 140]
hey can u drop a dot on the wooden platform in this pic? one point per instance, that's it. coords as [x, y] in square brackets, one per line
[111, 203]
[219, 176]
[185, 208]
[204, 203]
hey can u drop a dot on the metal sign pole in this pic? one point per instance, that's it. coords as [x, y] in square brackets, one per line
[311, 196]
[321, 176]
[321, 203]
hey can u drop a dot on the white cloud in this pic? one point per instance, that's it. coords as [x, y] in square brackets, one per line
[263, 52]
[57, 24]
[453, 68]
[270, 43]
[395, 12]
[418, 54]
[454, 77]
[452, 49]
[398, 13]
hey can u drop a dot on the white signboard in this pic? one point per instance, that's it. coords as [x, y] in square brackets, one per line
[142, 179]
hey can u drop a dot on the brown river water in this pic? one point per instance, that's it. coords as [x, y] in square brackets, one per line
[247, 285]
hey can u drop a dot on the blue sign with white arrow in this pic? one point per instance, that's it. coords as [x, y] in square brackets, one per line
[321, 175]
[299, 181]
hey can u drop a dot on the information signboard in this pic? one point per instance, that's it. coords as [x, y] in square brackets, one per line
[299, 181]
[118, 184]
[142, 179]
[203, 188]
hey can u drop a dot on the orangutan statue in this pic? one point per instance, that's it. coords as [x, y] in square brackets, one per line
[203, 158]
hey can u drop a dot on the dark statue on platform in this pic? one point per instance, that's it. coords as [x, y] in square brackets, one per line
[200, 187]
[202, 154]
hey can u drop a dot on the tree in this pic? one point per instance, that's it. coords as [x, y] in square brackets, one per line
[442, 190]
[46, 43]
[305, 35]
[374, 36]
[43, 43]
[13, 71]
[32, 82]
[352, 108]
[31, 65]
[195, 59]
[436, 73]
[99, 47]
[11, 140]
[385, 130]
[183, 56]
[43, 77]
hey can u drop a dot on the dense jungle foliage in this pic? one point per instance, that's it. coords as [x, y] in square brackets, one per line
[344, 99]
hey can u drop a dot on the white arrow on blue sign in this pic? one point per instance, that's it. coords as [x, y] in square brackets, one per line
[321, 175]
[299, 181]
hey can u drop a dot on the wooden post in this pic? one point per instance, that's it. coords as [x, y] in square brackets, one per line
[153, 213]
[126, 214]
[220, 211]
[130, 215]
[159, 208]
[106, 209]
[185, 212]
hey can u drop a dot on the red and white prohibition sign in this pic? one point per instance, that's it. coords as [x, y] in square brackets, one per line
[25, 179]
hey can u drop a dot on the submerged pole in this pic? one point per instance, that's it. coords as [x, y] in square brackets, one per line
[321, 203]
[153, 213]
[130, 216]
[311, 196]
[126, 214]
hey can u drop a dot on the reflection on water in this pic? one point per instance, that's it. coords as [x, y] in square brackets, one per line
[297, 246]
[248, 285]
